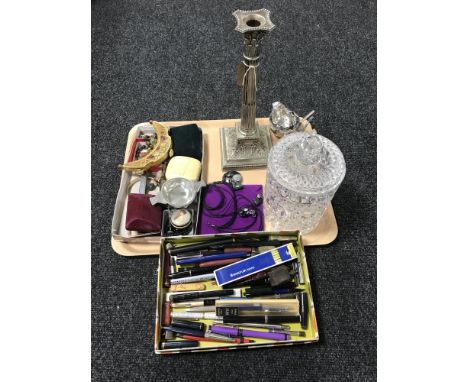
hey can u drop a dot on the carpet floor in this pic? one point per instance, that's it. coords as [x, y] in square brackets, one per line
[175, 60]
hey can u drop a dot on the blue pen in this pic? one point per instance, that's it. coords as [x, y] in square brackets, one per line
[220, 256]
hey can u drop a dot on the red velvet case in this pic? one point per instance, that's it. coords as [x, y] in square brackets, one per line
[142, 216]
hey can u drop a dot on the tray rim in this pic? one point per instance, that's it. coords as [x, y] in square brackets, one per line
[130, 249]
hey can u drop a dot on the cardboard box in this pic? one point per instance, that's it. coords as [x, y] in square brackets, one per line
[311, 329]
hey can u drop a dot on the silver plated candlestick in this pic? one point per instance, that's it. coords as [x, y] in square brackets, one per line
[247, 144]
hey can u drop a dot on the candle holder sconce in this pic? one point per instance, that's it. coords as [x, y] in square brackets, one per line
[246, 145]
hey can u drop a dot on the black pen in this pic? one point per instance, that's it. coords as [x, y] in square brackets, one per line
[303, 309]
[267, 290]
[260, 319]
[260, 243]
[212, 293]
[193, 304]
[179, 344]
[184, 330]
[188, 324]
[207, 252]
[193, 272]
[199, 246]
[224, 243]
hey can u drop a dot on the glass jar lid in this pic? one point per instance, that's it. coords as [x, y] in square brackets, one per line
[307, 164]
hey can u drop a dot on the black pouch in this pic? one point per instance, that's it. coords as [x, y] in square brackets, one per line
[187, 141]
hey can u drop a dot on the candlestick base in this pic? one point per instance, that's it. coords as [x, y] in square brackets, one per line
[245, 152]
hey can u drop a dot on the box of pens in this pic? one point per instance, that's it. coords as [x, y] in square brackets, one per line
[233, 291]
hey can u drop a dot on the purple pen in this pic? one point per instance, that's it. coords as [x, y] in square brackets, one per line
[236, 332]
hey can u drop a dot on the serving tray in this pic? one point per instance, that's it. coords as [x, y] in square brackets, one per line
[325, 233]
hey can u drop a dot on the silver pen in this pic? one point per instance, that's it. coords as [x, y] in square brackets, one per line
[292, 333]
[192, 279]
[208, 308]
[192, 304]
[173, 264]
[209, 334]
[255, 325]
[195, 315]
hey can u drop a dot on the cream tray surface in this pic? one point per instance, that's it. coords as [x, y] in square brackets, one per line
[126, 245]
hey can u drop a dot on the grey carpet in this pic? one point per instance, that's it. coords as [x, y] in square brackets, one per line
[174, 60]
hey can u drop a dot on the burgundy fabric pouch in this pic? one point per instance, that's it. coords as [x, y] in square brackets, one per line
[142, 216]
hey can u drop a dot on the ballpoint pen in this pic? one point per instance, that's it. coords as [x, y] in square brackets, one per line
[219, 263]
[224, 243]
[197, 295]
[195, 315]
[192, 304]
[218, 256]
[277, 296]
[181, 330]
[290, 332]
[188, 324]
[184, 287]
[195, 247]
[210, 334]
[213, 251]
[259, 319]
[192, 272]
[217, 339]
[207, 308]
[249, 333]
[178, 344]
[254, 325]
[192, 279]
[266, 290]
[304, 309]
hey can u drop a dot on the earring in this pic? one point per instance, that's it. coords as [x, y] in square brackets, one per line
[258, 200]
[247, 212]
[234, 179]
